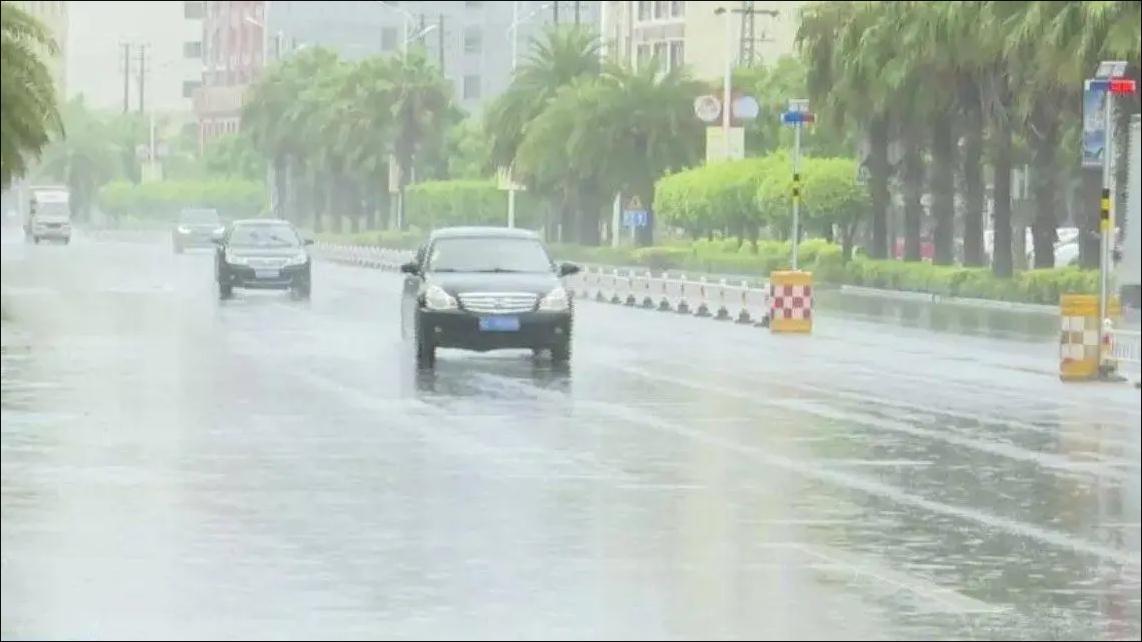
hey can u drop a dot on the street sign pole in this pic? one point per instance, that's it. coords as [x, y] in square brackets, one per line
[511, 205]
[1104, 216]
[796, 189]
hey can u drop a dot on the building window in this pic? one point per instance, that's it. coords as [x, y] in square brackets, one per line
[193, 10]
[677, 54]
[473, 40]
[661, 9]
[471, 87]
[644, 10]
[678, 8]
[388, 38]
[192, 49]
[189, 86]
[643, 55]
[661, 52]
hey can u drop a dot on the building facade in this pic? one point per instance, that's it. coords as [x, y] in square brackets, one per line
[231, 56]
[693, 34]
[470, 41]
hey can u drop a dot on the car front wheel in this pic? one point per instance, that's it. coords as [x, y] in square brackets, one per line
[425, 348]
[225, 291]
[561, 352]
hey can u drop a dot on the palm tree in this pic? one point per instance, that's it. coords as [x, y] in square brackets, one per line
[28, 112]
[647, 129]
[844, 45]
[86, 159]
[420, 105]
[265, 116]
[558, 58]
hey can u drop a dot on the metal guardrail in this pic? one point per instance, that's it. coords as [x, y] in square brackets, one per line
[1126, 351]
[742, 302]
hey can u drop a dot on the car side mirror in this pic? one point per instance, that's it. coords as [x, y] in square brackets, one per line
[567, 269]
[410, 268]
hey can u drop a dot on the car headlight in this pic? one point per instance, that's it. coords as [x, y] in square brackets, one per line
[182, 229]
[298, 259]
[435, 298]
[555, 301]
[233, 259]
[220, 229]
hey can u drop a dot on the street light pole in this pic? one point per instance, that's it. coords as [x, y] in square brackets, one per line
[727, 80]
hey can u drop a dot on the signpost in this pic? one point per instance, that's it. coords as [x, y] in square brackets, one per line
[635, 216]
[797, 115]
[1108, 80]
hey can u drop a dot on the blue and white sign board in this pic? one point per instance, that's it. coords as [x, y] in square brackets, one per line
[635, 218]
[1094, 124]
[634, 215]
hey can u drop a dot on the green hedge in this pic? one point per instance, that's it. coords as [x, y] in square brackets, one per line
[407, 240]
[758, 191]
[162, 200]
[433, 204]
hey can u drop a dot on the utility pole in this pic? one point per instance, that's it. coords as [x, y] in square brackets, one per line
[126, 75]
[555, 13]
[142, 76]
[747, 49]
[423, 26]
[440, 42]
[576, 12]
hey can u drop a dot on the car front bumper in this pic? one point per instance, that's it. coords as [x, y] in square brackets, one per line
[45, 232]
[461, 329]
[241, 276]
[194, 239]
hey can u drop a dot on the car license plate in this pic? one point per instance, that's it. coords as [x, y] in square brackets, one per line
[499, 324]
[266, 274]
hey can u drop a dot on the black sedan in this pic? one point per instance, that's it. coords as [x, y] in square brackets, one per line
[262, 254]
[483, 289]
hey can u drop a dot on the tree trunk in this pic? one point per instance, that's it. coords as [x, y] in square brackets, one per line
[279, 186]
[336, 201]
[941, 182]
[1044, 224]
[1001, 251]
[973, 174]
[754, 230]
[848, 233]
[878, 186]
[318, 201]
[913, 188]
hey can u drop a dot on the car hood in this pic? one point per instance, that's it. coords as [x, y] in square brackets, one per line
[264, 252]
[539, 283]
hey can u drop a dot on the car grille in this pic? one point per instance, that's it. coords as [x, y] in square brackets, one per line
[265, 263]
[498, 302]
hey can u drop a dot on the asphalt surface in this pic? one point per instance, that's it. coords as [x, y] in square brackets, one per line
[179, 467]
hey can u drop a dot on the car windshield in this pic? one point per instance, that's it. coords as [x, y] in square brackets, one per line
[199, 217]
[264, 235]
[488, 254]
[53, 211]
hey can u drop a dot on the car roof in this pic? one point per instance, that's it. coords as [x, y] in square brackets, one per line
[482, 232]
[261, 221]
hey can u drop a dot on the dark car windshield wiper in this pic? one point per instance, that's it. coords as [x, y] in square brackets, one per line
[500, 270]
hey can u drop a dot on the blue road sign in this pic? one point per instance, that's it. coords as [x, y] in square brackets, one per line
[797, 117]
[635, 218]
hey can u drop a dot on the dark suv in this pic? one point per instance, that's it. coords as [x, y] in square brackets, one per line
[486, 288]
[195, 228]
[262, 254]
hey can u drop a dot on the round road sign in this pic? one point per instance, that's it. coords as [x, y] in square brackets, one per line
[707, 108]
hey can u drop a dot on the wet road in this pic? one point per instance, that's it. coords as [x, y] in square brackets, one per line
[262, 468]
